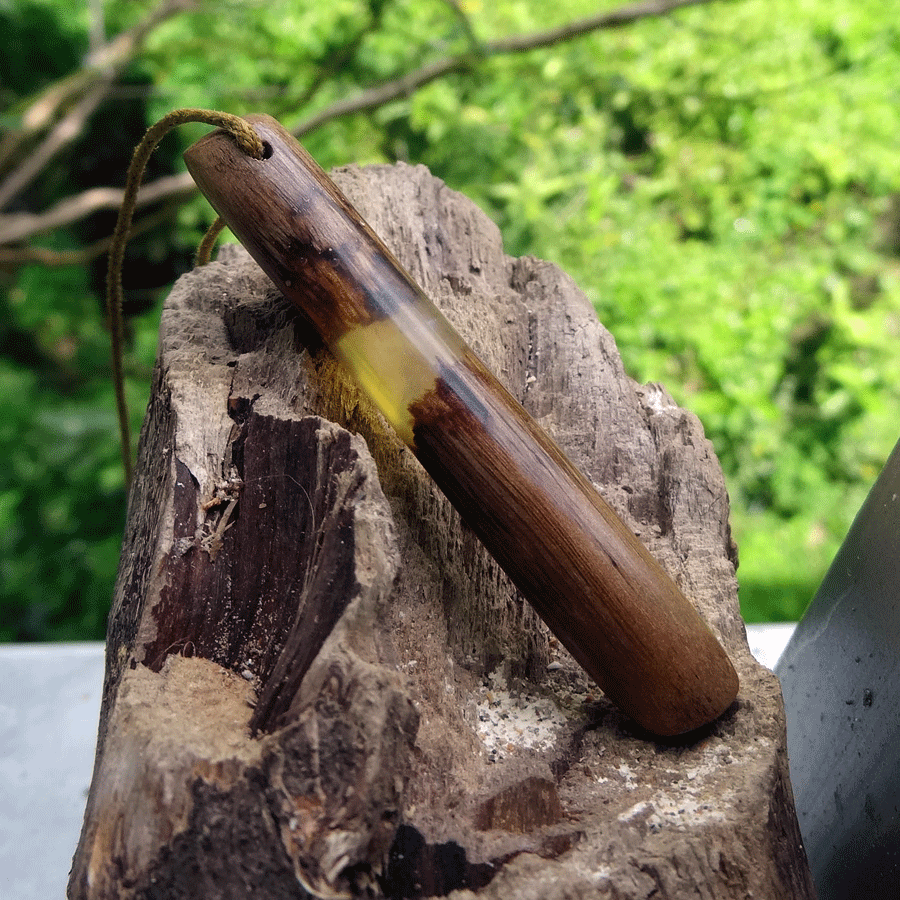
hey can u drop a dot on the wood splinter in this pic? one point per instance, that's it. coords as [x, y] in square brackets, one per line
[587, 575]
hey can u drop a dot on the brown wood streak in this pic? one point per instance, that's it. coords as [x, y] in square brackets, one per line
[589, 577]
[300, 229]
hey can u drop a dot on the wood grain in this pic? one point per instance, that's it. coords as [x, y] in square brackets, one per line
[428, 748]
[588, 576]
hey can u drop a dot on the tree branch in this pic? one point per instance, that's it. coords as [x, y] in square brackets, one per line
[614, 18]
[62, 134]
[87, 88]
[466, 24]
[21, 226]
[341, 57]
[12, 258]
[377, 96]
[372, 98]
[122, 48]
[18, 227]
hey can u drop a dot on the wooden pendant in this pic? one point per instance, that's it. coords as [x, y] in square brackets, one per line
[590, 579]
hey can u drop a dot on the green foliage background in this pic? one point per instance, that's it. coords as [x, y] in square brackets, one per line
[722, 182]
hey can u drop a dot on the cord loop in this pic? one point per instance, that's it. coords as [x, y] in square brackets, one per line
[249, 141]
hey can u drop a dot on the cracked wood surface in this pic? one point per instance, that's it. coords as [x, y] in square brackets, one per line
[317, 680]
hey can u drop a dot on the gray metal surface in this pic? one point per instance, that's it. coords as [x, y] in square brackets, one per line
[840, 675]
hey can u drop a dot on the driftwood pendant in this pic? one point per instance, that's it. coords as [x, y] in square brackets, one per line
[425, 747]
[590, 579]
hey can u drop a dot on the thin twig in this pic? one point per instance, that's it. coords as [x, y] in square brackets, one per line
[475, 45]
[340, 59]
[377, 96]
[19, 227]
[614, 18]
[406, 84]
[61, 135]
[12, 258]
[86, 89]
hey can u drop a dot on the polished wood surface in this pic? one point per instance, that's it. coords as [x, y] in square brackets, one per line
[592, 581]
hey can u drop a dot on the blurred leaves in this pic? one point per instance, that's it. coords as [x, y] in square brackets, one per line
[722, 181]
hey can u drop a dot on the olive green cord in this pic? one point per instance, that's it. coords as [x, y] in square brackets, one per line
[249, 141]
[204, 251]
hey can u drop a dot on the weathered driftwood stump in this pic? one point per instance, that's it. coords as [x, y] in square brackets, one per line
[317, 680]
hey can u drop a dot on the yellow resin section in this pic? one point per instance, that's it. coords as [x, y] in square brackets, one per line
[391, 370]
